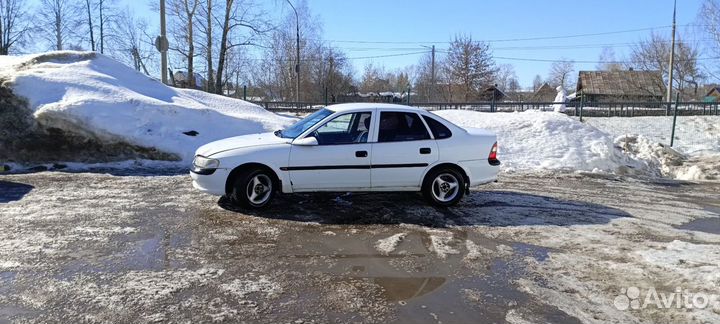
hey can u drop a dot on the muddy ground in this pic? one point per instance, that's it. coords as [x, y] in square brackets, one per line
[119, 248]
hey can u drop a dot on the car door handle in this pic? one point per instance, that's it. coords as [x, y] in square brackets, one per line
[361, 154]
[425, 150]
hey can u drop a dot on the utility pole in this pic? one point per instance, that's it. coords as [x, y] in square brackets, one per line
[297, 54]
[432, 69]
[161, 43]
[672, 58]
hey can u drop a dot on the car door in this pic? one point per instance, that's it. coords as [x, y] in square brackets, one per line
[402, 152]
[340, 161]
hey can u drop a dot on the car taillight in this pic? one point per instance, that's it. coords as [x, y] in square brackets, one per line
[493, 152]
[492, 158]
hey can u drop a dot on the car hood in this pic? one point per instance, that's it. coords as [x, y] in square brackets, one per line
[237, 142]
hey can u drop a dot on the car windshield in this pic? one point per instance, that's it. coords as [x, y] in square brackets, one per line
[302, 125]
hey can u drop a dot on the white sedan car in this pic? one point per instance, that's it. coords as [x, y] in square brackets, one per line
[351, 147]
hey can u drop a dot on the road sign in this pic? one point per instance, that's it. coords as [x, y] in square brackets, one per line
[161, 44]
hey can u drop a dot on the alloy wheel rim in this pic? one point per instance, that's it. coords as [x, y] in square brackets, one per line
[445, 187]
[258, 189]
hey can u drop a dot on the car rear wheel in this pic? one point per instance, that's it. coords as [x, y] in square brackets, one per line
[444, 187]
[252, 188]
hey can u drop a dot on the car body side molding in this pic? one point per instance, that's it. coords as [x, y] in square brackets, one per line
[338, 167]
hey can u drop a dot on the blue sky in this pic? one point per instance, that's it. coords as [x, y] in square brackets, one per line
[423, 22]
[438, 21]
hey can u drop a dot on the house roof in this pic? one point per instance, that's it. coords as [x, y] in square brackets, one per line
[545, 93]
[716, 91]
[621, 83]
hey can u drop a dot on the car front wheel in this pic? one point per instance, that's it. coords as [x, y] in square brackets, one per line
[252, 189]
[444, 187]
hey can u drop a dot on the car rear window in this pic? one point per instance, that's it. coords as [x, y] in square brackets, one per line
[439, 130]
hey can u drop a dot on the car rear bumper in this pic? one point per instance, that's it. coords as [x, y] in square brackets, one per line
[480, 171]
[213, 183]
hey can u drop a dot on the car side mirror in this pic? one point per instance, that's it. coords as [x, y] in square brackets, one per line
[307, 141]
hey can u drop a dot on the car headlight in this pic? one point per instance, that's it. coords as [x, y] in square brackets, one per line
[202, 162]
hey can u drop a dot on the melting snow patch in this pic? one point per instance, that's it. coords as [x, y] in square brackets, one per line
[261, 285]
[388, 245]
[440, 243]
[474, 251]
[146, 287]
[696, 262]
[9, 264]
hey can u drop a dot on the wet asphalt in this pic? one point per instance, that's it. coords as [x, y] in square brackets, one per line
[126, 248]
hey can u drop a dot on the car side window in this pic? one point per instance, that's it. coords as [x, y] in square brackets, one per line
[401, 126]
[438, 129]
[345, 129]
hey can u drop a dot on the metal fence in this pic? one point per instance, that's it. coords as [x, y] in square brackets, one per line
[577, 108]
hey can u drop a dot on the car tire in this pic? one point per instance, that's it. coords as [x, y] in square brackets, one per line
[444, 187]
[253, 188]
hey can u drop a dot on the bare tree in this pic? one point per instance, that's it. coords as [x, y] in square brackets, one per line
[278, 74]
[57, 21]
[88, 7]
[424, 86]
[537, 82]
[561, 73]
[205, 23]
[607, 60]
[469, 66]
[709, 15]
[506, 78]
[374, 79]
[653, 54]
[183, 13]
[14, 24]
[243, 24]
[129, 41]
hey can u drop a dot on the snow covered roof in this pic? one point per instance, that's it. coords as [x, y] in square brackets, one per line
[621, 83]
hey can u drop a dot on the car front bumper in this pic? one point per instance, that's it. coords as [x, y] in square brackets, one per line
[210, 182]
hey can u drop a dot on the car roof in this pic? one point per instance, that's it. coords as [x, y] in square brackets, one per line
[369, 105]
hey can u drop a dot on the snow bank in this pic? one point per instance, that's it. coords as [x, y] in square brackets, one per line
[670, 162]
[695, 154]
[533, 140]
[94, 96]
[694, 135]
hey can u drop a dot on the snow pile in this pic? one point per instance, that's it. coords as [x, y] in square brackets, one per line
[669, 161]
[695, 154]
[694, 135]
[95, 97]
[533, 140]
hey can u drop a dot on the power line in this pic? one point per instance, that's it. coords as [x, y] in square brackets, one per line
[388, 55]
[508, 39]
[515, 48]
[591, 62]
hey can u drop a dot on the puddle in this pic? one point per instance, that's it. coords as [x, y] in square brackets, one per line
[405, 288]
[528, 250]
[7, 312]
[444, 292]
[6, 280]
[706, 225]
[150, 251]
